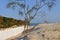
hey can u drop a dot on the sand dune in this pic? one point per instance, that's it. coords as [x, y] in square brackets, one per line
[40, 32]
[44, 32]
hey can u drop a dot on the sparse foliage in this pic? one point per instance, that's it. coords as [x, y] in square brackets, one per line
[26, 11]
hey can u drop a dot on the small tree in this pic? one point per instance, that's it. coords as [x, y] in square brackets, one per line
[29, 13]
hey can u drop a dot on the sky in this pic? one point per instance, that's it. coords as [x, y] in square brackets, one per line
[52, 15]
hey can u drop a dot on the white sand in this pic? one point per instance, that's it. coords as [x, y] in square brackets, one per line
[4, 34]
[41, 32]
[45, 32]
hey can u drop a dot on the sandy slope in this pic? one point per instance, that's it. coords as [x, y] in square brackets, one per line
[44, 32]
[4, 34]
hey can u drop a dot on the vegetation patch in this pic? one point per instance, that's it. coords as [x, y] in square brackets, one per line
[9, 22]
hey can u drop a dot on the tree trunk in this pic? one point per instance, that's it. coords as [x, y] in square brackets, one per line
[27, 26]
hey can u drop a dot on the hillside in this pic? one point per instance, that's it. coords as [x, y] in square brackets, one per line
[8, 22]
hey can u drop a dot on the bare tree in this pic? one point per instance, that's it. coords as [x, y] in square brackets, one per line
[27, 12]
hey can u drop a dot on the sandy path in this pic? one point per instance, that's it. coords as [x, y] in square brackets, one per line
[4, 34]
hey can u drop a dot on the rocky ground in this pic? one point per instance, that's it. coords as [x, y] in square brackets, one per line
[43, 32]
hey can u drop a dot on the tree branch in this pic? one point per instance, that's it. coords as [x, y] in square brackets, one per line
[37, 11]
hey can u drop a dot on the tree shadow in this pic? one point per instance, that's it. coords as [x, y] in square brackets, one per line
[22, 38]
[24, 32]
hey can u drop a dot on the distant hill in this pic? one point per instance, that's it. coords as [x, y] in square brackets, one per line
[8, 22]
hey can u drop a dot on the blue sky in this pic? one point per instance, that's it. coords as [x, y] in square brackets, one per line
[52, 15]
